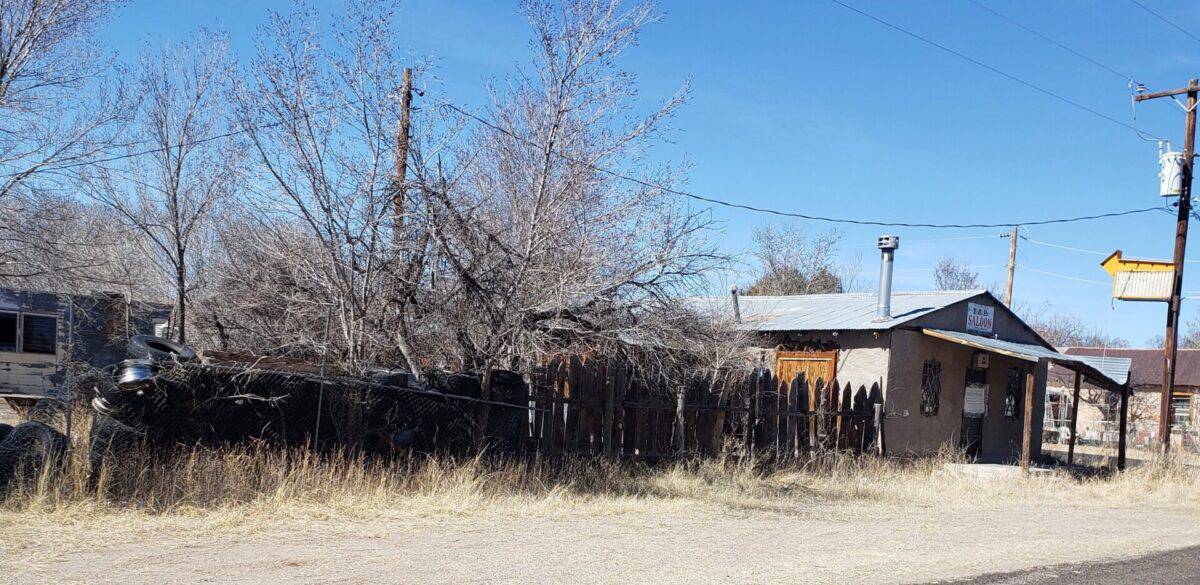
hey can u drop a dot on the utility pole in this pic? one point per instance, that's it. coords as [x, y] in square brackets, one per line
[1012, 265]
[1181, 228]
[402, 137]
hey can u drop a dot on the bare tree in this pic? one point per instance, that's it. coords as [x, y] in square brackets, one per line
[1063, 330]
[795, 263]
[950, 274]
[182, 166]
[538, 251]
[321, 116]
[56, 117]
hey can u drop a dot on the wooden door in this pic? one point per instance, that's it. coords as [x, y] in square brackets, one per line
[813, 364]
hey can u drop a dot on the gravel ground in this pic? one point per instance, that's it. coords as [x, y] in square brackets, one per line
[837, 544]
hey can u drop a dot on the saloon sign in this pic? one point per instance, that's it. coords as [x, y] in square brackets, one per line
[980, 317]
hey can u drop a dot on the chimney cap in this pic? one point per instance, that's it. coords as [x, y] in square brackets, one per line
[889, 242]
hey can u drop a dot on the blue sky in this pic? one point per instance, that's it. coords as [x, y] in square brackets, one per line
[806, 106]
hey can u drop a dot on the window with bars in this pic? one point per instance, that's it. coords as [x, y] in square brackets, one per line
[931, 387]
[1012, 393]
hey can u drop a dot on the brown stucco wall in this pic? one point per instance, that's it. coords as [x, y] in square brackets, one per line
[917, 434]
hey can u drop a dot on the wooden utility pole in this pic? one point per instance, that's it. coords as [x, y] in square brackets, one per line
[402, 138]
[1181, 228]
[1012, 265]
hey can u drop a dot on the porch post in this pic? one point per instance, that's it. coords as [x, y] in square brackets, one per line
[1123, 430]
[1074, 421]
[1027, 431]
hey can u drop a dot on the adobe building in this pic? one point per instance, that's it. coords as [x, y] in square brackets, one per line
[953, 368]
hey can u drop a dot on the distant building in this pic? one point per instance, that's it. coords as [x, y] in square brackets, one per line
[41, 332]
[951, 367]
[1097, 415]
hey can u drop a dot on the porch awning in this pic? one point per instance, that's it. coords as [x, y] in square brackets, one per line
[1030, 352]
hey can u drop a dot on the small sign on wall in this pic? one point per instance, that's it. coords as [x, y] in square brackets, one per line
[975, 400]
[980, 317]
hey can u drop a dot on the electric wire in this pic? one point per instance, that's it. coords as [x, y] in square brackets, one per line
[995, 70]
[573, 160]
[791, 214]
[1063, 276]
[1081, 250]
[1062, 247]
[1164, 19]
[1123, 76]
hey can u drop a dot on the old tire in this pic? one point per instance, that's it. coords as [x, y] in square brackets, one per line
[108, 436]
[149, 347]
[27, 450]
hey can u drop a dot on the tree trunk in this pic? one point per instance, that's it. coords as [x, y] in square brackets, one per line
[180, 293]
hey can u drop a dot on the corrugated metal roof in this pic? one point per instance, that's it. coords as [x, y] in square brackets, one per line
[1116, 368]
[1146, 368]
[1103, 371]
[830, 312]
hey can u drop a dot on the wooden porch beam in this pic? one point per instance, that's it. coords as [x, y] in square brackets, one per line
[1074, 420]
[1123, 430]
[1027, 431]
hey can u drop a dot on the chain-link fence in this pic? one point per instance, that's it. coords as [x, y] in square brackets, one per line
[211, 402]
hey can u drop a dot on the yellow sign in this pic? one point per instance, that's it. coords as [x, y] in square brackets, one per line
[1115, 263]
[1140, 280]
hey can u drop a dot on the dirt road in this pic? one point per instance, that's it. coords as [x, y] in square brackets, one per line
[842, 544]
[1175, 567]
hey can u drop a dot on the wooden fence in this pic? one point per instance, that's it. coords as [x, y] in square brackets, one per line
[594, 409]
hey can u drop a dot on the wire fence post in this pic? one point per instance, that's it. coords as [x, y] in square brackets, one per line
[321, 388]
[69, 379]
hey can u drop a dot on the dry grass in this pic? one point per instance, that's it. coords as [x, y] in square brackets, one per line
[247, 483]
[254, 491]
[202, 495]
[255, 480]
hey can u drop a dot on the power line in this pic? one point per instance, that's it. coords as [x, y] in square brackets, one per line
[1164, 19]
[1039, 35]
[198, 141]
[641, 182]
[1083, 251]
[995, 70]
[1063, 276]
[971, 267]
[791, 214]
[1062, 247]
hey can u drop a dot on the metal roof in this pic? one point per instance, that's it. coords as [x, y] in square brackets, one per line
[830, 312]
[1146, 368]
[1116, 368]
[1104, 372]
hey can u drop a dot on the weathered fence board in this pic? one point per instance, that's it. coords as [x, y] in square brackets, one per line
[593, 408]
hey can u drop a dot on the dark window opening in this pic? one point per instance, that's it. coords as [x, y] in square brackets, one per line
[8, 332]
[1012, 393]
[931, 387]
[38, 334]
